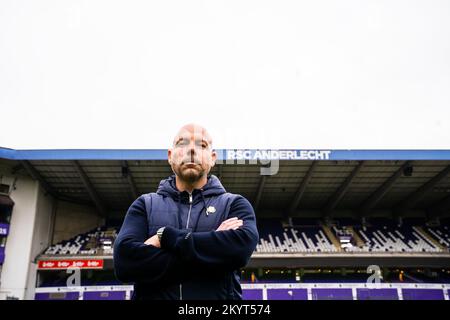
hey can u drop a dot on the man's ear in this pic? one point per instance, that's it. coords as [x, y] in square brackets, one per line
[213, 158]
[169, 156]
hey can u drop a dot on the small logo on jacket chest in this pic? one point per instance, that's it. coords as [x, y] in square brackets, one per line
[210, 210]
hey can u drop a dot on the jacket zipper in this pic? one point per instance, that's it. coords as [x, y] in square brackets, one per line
[190, 208]
[187, 225]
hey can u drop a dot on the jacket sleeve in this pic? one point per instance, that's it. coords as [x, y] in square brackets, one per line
[225, 250]
[134, 261]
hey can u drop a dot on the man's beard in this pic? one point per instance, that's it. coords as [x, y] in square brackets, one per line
[190, 175]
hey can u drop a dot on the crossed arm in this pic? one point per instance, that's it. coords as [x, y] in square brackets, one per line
[138, 258]
[229, 224]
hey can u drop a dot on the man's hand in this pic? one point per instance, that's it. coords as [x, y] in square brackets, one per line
[232, 223]
[153, 241]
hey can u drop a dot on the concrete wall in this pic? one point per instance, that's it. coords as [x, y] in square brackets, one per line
[42, 235]
[20, 243]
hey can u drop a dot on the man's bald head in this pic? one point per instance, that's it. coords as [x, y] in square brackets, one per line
[193, 129]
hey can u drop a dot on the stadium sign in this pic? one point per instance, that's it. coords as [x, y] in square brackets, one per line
[227, 154]
[66, 264]
[278, 154]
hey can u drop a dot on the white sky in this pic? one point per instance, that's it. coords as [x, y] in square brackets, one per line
[258, 74]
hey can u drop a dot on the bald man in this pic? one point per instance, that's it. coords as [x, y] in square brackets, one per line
[190, 238]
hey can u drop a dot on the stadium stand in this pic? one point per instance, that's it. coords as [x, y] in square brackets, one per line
[377, 236]
[308, 237]
[95, 242]
[388, 238]
[440, 234]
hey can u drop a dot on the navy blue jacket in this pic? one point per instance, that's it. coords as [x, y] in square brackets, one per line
[194, 261]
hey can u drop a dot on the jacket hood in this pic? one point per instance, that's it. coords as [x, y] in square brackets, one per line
[213, 187]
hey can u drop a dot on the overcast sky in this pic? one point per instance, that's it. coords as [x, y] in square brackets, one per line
[258, 74]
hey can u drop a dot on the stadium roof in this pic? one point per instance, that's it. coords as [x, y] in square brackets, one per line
[223, 154]
[325, 181]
